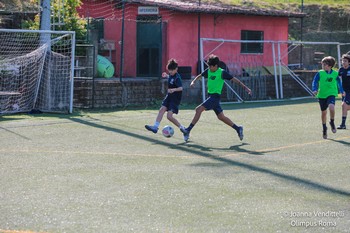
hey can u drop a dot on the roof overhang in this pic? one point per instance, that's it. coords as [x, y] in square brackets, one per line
[194, 7]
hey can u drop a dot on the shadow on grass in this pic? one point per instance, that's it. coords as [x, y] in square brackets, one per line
[205, 152]
[340, 141]
[12, 132]
[239, 149]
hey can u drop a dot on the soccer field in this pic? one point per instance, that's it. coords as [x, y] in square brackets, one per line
[103, 172]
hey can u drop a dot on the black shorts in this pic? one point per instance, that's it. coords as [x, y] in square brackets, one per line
[325, 102]
[213, 103]
[346, 98]
[171, 105]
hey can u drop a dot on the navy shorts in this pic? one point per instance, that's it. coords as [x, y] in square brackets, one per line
[346, 98]
[213, 103]
[325, 102]
[171, 105]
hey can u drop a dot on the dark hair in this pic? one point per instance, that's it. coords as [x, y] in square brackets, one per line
[213, 60]
[346, 56]
[172, 64]
[329, 61]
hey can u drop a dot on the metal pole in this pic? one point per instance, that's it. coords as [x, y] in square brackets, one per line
[199, 36]
[280, 69]
[72, 74]
[122, 44]
[301, 34]
[275, 70]
[202, 68]
[339, 56]
[45, 20]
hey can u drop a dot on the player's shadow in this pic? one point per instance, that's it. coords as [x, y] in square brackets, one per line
[242, 150]
[341, 142]
[238, 148]
[207, 153]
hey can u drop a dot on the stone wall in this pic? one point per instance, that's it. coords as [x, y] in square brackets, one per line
[111, 93]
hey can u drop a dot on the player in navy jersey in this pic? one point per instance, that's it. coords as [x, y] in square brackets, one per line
[172, 100]
[344, 74]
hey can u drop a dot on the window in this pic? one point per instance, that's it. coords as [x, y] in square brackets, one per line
[252, 47]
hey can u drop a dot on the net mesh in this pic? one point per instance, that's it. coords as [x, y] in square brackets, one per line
[34, 74]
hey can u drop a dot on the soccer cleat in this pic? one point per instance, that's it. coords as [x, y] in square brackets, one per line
[341, 127]
[186, 134]
[334, 130]
[240, 132]
[151, 128]
[325, 133]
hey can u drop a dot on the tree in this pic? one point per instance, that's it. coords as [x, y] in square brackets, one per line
[64, 17]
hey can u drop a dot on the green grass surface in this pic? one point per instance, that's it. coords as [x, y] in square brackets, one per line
[103, 172]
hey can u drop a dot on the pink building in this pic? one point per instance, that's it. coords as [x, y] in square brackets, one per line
[156, 30]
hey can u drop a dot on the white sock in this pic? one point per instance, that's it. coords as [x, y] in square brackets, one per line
[156, 124]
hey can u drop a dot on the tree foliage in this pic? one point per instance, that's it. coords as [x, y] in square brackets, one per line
[64, 17]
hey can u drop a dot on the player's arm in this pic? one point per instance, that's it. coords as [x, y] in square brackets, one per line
[228, 76]
[204, 74]
[172, 90]
[340, 86]
[315, 83]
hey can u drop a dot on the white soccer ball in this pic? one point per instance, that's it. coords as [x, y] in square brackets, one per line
[168, 131]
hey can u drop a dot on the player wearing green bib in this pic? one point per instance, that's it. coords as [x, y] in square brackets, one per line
[326, 86]
[216, 78]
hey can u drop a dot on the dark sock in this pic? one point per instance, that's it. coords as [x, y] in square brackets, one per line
[235, 127]
[343, 120]
[324, 127]
[190, 127]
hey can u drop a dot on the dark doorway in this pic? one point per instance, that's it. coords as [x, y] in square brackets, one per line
[149, 44]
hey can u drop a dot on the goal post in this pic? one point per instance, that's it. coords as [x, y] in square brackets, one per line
[36, 75]
[274, 70]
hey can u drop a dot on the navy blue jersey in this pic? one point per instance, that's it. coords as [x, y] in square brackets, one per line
[345, 76]
[175, 97]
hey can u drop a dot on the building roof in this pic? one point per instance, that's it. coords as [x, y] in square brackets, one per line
[198, 6]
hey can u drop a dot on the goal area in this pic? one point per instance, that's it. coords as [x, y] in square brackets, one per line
[273, 70]
[36, 71]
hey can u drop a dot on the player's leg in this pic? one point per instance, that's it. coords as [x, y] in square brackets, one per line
[331, 106]
[160, 115]
[221, 116]
[170, 116]
[345, 108]
[199, 110]
[186, 131]
[323, 106]
[324, 121]
[154, 128]
[172, 119]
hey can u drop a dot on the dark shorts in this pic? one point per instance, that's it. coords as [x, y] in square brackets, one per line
[325, 102]
[213, 103]
[346, 98]
[171, 105]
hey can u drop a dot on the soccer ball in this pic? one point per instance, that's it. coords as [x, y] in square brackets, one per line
[168, 131]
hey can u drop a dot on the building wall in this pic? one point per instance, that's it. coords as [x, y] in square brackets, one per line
[181, 34]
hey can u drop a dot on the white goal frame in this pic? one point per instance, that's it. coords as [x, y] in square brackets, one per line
[277, 60]
[57, 52]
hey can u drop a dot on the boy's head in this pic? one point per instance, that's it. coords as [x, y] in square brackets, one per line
[346, 56]
[213, 60]
[329, 61]
[172, 64]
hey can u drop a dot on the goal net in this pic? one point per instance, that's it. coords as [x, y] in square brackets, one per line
[36, 71]
[273, 70]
